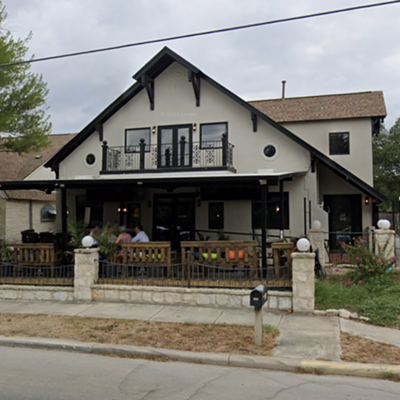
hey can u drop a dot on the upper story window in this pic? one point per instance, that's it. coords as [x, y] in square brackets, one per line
[132, 139]
[339, 143]
[211, 135]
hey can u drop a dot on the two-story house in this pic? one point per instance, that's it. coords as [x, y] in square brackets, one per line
[180, 153]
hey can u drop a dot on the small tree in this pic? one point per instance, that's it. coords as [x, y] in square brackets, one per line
[23, 120]
[387, 163]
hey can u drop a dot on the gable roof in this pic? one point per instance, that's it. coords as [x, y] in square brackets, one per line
[14, 167]
[326, 107]
[159, 63]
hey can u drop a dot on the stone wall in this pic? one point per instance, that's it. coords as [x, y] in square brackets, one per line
[232, 298]
[55, 293]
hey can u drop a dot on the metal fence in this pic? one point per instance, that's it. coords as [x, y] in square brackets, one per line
[11, 274]
[193, 275]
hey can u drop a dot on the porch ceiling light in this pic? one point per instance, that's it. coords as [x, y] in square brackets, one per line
[194, 127]
[303, 245]
[153, 130]
[366, 200]
[87, 241]
[383, 224]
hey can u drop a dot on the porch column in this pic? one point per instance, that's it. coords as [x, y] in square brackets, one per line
[264, 187]
[317, 240]
[281, 205]
[384, 242]
[64, 226]
[303, 282]
[86, 273]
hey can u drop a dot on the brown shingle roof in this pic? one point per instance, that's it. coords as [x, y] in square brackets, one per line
[14, 167]
[326, 107]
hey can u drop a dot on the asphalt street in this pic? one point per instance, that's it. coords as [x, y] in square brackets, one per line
[27, 374]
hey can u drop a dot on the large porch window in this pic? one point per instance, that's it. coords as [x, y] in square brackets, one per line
[273, 212]
[87, 213]
[216, 215]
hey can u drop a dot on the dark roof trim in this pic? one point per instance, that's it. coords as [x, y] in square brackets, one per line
[157, 65]
[143, 182]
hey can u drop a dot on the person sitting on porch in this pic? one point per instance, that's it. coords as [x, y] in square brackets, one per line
[123, 236]
[140, 234]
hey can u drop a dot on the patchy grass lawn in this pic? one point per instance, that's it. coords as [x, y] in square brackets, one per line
[377, 299]
[360, 350]
[235, 339]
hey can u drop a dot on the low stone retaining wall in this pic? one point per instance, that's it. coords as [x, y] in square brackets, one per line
[201, 297]
[20, 292]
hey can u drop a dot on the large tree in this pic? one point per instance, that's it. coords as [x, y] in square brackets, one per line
[23, 119]
[386, 150]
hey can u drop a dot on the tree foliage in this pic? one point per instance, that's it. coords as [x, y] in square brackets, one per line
[23, 120]
[386, 151]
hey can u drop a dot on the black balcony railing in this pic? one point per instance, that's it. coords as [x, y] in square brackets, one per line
[215, 154]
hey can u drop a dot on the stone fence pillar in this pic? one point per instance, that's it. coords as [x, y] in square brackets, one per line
[384, 242]
[86, 272]
[316, 237]
[303, 282]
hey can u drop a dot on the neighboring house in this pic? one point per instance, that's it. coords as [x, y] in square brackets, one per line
[27, 209]
[180, 153]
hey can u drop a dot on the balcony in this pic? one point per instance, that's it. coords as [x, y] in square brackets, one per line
[215, 155]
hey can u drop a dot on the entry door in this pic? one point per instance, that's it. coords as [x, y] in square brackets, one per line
[345, 219]
[174, 218]
[175, 146]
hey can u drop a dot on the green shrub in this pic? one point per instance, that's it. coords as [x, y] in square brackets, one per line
[368, 265]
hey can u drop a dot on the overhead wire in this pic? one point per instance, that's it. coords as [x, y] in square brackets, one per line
[204, 33]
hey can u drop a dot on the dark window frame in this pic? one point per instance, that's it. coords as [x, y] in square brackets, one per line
[333, 136]
[273, 220]
[208, 141]
[45, 215]
[136, 148]
[218, 222]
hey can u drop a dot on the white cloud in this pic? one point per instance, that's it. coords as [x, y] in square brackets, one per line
[340, 53]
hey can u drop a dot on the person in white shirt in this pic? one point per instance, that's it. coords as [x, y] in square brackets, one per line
[140, 234]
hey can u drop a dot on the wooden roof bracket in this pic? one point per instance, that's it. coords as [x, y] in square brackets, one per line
[195, 79]
[148, 83]
[99, 129]
[254, 119]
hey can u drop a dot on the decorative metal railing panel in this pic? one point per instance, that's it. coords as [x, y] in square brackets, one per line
[11, 274]
[192, 275]
[167, 155]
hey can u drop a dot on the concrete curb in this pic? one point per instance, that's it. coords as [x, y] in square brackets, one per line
[224, 359]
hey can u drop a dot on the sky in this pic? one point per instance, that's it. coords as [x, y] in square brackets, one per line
[348, 52]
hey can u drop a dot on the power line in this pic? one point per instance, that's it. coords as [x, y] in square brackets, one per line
[211, 32]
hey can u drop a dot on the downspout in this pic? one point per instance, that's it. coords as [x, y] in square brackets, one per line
[30, 214]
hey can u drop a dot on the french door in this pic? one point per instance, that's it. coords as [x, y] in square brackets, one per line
[175, 146]
[174, 218]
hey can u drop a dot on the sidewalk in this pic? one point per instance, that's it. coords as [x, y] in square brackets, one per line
[304, 339]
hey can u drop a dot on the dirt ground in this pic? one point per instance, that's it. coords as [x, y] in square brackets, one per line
[356, 349]
[179, 336]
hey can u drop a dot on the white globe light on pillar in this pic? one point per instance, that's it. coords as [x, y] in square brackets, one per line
[383, 224]
[87, 241]
[303, 245]
[316, 224]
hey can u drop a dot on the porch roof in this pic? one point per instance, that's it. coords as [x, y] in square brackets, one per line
[174, 180]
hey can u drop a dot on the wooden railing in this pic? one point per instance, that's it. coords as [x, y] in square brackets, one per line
[154, 253]
[227, 253]
[37, 255]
